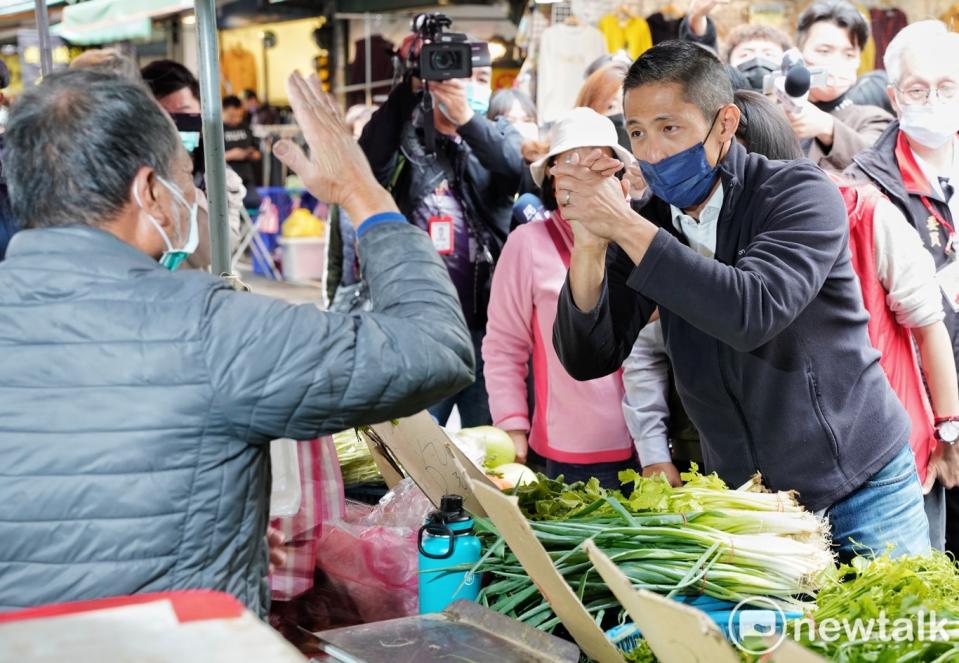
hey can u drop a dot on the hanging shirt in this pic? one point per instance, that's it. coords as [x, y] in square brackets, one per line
[662, 28]
[701, 234]
[867, 59]
[886, 23]
[565, 53]
[633, 35]
[239, 70]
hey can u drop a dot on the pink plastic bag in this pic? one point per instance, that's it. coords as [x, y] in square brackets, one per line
[322, 501]
[372, 557]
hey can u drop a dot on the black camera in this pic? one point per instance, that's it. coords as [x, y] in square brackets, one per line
[443, 55]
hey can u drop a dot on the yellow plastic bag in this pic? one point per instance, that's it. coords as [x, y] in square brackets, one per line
[301, 223]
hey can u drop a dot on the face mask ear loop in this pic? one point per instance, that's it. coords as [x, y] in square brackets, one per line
[710, 132]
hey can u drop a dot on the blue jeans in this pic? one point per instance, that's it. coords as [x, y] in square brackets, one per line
[472, 402]
[887, 509]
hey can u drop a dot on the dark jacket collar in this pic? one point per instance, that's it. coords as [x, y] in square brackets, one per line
[892, 164]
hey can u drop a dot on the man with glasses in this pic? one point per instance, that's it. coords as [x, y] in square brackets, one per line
[916, 164]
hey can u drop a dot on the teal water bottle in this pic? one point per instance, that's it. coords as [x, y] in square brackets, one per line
[447, 540]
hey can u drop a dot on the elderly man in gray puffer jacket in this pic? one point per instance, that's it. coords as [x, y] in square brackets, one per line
[136, 403]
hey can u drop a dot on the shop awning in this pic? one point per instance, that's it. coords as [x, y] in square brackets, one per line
[8, 7]
[107, 21]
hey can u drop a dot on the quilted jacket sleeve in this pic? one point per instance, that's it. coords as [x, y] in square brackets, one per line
[281, 370]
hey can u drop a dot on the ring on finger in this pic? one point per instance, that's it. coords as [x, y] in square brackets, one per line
[569, 194]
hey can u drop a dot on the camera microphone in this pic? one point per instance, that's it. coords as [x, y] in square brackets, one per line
[797, 83]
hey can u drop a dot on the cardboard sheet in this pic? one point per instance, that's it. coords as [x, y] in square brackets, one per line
[429, 457]
[520, 538]
[676, 633]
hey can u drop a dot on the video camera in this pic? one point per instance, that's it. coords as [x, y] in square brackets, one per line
[443, 55]
[792, 83]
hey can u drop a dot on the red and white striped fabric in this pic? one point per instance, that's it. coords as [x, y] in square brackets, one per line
[322, 501]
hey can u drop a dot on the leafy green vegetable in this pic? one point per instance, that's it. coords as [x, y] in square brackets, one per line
[917, 589]
[356, 461]
[642, 654]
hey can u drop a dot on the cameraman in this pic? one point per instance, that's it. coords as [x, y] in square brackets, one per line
[462, 195]
[832, 128]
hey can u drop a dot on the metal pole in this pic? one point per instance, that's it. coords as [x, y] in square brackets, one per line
[339, 60]
[369, 60]
[212, 114]
[266, 74]
[43, 32]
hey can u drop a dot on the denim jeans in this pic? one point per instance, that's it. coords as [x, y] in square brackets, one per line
[886, 510]
[472, 402]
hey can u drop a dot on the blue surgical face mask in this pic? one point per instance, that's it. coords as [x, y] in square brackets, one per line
[684, 179]
[190, 140]
[478, 96]
[173, 258]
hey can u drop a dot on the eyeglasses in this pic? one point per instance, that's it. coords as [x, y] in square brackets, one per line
[920, 95]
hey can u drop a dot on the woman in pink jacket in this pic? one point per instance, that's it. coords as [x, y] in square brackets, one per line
[577, 427]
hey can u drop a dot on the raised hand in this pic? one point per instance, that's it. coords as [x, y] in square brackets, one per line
[336, 170]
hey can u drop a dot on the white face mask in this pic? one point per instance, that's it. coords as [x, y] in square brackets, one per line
[528, 130]
[931, 125]
[173, 258]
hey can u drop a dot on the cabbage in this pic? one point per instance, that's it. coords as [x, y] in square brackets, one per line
[497, 444]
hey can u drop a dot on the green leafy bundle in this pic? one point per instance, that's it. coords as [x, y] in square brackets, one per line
[903, 593]
[700, 538]
[356, 461]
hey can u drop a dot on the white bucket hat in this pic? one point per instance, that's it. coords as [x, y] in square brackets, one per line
[580, 127]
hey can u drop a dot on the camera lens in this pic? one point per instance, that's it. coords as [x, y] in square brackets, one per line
[442, 60]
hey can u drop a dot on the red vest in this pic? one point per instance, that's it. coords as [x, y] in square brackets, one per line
[894, 341]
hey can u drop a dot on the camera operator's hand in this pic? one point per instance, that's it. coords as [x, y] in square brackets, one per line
[452, 94]
[813, 123]
[336, 170]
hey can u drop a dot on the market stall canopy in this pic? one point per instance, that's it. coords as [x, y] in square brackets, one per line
[8, 7]
[108, 21]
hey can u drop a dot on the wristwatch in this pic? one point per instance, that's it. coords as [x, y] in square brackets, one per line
[947, 430]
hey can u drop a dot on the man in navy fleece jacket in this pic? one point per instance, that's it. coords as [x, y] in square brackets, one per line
[747, 261]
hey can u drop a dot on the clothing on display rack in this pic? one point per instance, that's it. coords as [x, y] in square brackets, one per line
[528, 35]
[663, 27]
[566, 50]
[951, 17]
[626, 29]
[381, 67]
[238, 67]
[886, 23]
[867, 60]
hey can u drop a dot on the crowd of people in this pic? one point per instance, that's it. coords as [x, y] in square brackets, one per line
[687, 267]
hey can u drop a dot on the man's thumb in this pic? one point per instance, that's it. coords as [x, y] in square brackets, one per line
[291, 155]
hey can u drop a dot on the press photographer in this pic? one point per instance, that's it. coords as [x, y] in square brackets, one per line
[452, 171]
